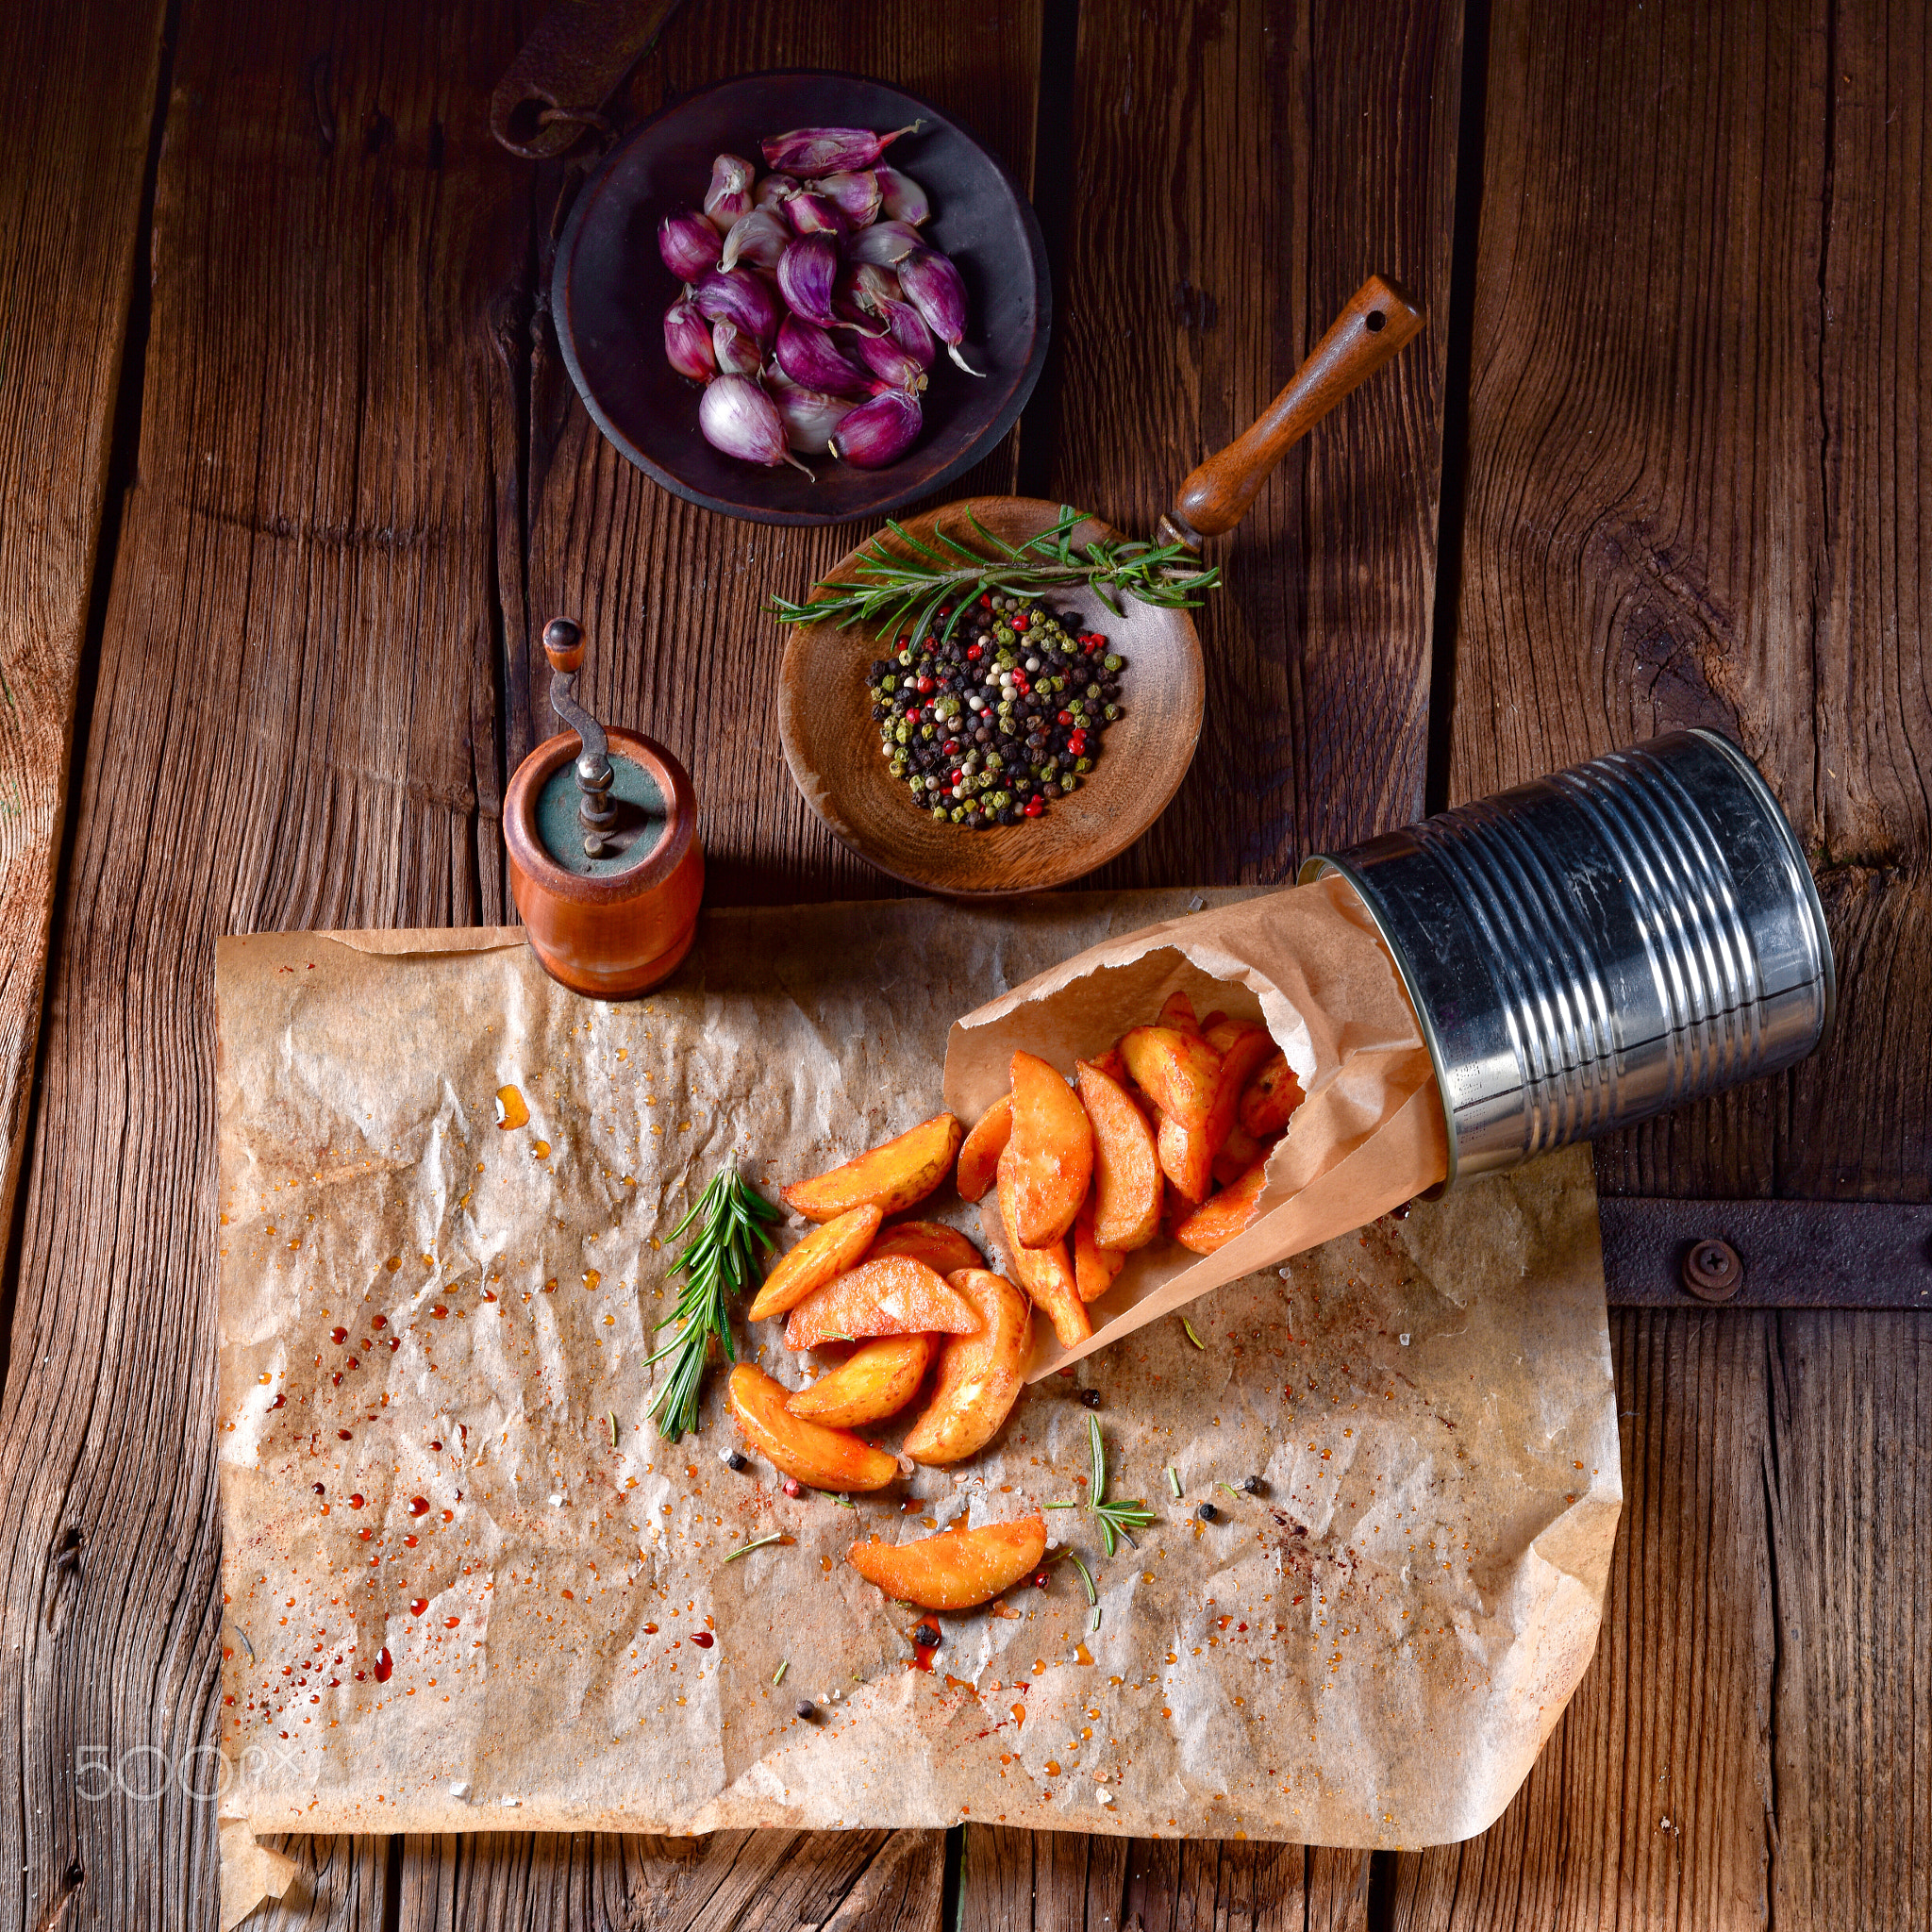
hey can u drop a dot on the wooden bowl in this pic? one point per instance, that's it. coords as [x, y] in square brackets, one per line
[610, 288]
[613, 937]
[832, 742]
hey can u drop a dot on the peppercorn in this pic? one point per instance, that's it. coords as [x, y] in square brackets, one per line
[1040, 1579]
[1090, 1397]
[733, 1460]
[805, 1708]
[928, 1634]
[1250, 1485]
[1208, 1514]
[792, 1487]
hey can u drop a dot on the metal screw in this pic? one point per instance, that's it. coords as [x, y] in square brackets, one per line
[1713, 1271]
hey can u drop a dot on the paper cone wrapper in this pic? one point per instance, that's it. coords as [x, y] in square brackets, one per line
[1309, 965]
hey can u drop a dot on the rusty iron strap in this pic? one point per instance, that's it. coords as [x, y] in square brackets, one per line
[576, 59]
[1766, 1254]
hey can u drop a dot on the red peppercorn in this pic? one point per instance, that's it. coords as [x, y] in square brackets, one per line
[924, 687]
[947, 749]
[972, 652]
[1040, 1579]
[986, 600]
[792, 1487]
[1063, 717]
[1034, 807]
[1077, 745]
[956, 778]
[905, 639]
[1020, 623]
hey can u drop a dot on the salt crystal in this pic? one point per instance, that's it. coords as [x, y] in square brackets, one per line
[460, 1789]
[1403, 1340]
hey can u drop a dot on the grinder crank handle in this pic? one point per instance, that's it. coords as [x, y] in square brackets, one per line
[563, 645]
[1378, 321]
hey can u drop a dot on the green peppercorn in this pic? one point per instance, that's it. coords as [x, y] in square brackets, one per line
[1092, 690]
[995, 762]
[1110, 712]
[938, 811]
[903, 656]
[889, 683]
[927, 732]
[956, 814]
[1083, 765]
[1112, 661]
[1070, 784]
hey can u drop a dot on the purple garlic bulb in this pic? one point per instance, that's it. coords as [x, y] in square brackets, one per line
[687, 342]
[759, 237]
[729, 197]
[901, 198]
[806, 275]
[739, 295]
[854, 194]
[738, 353]
[829, 150]
[738, 418]
[688, 245]
[933, 286]
[884, 244]
[809, 358]
[879, 432]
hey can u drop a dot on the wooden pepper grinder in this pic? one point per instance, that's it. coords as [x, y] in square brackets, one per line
[604, 864]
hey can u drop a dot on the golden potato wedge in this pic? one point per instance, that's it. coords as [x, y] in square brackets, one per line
[1246, 1054]
[1045, 1274]
[943, 1249]
[1126, 1171]
[1177, 1010]
[1209, 1023]
[1223, 1216]
[956, 1568]
[825, 1458]
[1239, 1152]
[1270, 1097]
[980, 1375]
[979, 1158]
[826, 1251]
[1219, 1032]
[894, 1297]
[1186, 1158]
[1178, 1070]
[1051, 1155]
[889, 1177]
[1094, 1267]
[877, 1378]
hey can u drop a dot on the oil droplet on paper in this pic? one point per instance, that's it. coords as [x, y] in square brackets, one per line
[591, 1277]
[384, 1665]
[510, 1110]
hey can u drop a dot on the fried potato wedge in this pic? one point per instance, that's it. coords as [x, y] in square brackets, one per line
[1219, 1032]
[943, 1249]
[828, 1250]
[1186, 1158]
[1177, 1010]
[1223, 1216]
[980, 1375]
[1177, 1070]
[1094, 1268]
[956, 1568]
[1239, 1152]
[1243, 1058]
[825, 1458]
[1050, 1154]
[1126, 1171]
[979, 1158]
[1270, 1097]
[1045, 1274]
[889, 1177]
[877, 1378]
[894, 1297]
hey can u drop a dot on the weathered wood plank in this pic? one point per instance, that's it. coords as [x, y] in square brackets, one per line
[78, 87]
[1691, 499]
[673, 598]
[1240, 169]
[297, 636]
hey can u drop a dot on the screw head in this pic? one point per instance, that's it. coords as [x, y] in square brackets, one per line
[1713, 1271]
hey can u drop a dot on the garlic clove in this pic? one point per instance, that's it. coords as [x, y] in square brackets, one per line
[829, 150]
[879, 432]
[738, 353]
[738, 417]
[687, 342]
[901, 198]
[809, 418]
[814, 214]
[688, 245]
[811, 358]
[885, 244]
[933, 286]
[872, 286]
[806, 274]
[889, 362]
[729, 197]
[907, 328]
[855, 193]
[774, 192]
[738, 295]
[758, 238]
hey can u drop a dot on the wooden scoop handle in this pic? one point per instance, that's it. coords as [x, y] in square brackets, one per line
[1378, 321]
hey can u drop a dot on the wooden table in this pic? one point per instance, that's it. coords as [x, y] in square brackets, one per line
[291, 475]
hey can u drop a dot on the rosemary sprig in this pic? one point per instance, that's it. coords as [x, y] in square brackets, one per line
[719, 1260]
[1117, 1519]
[913, 581]
[777, 1536]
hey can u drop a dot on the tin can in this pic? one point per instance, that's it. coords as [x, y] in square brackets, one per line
[1600, 945]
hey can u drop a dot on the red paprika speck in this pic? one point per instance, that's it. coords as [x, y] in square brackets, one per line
[364, 1534]
[384, 1665]
[353, 1363]
[418, 1605]
[703, 1639]
[449, 1515]
[355, 1502]
[378, 1321]
[419, 1506]
[439, 1312]
[396, 1342]
[450, 1622]
[339, 1335]
[337, 1380]
[650, 1629]
[280, 1402]
[409, 1541]
[343, 1436]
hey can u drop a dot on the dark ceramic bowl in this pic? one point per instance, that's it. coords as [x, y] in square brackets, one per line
[610, 291]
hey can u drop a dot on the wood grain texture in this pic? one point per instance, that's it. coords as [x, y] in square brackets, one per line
[1241, 168]
[1690, 501]
[296, 650]
[77, 109]
[672, 599]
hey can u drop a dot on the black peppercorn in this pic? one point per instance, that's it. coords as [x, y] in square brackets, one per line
[1090, 1397]
[1250, 1485]
[927, 1636]
[735, 1462]
[1208, 1514]
[807, 1708]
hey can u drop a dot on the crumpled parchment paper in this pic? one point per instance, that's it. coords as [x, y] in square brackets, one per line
[466, 1585]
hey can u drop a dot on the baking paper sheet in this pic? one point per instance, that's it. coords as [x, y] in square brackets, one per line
[506, 1628]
